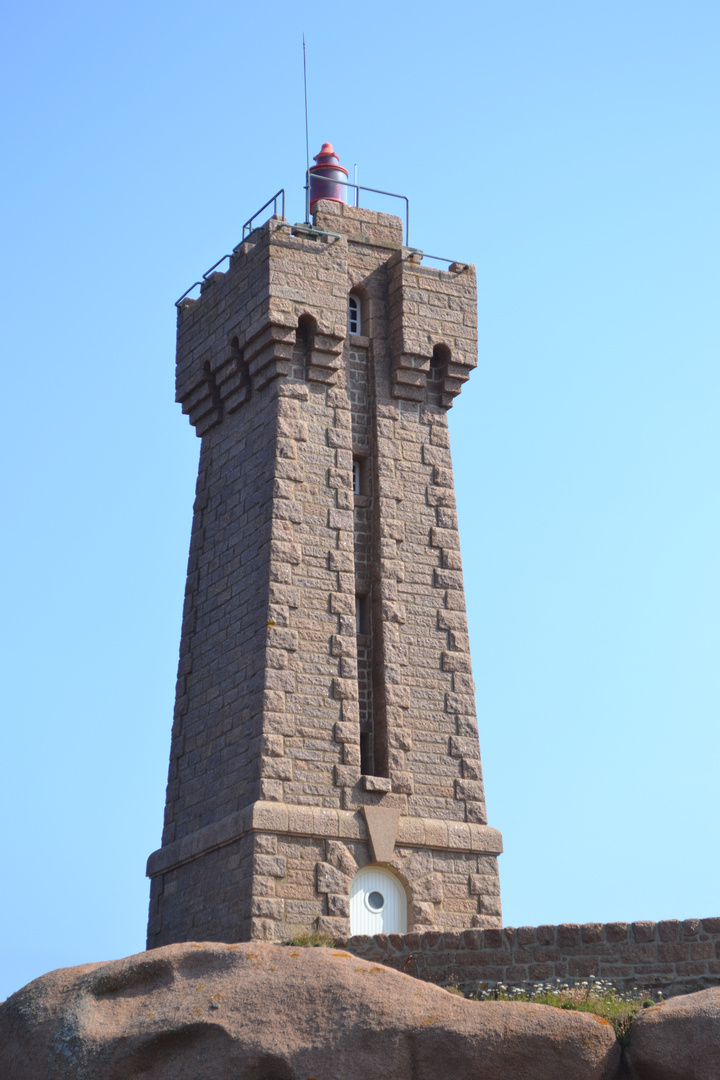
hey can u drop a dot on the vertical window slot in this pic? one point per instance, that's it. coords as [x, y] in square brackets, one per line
[364, 662]
[354, 322]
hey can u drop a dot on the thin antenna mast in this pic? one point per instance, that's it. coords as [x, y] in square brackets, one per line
[307, 142]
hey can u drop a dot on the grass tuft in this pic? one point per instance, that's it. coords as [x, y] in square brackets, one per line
[311, 939]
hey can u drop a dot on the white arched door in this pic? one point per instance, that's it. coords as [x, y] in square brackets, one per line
[378, 903]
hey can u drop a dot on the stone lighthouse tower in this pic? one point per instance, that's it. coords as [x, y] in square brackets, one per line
[325, 765]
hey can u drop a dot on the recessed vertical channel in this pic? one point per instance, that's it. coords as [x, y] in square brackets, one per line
[363, 621]
[303, 346]
[436, 375]
[364, 661]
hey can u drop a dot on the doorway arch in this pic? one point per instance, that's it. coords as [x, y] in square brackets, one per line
[378, 903]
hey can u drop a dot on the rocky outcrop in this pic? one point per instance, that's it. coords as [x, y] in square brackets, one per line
[678, 1040]
[267, 1012]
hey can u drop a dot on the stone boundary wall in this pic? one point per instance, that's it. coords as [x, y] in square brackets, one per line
[675, 956]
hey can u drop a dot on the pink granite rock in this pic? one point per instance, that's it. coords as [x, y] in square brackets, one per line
[678, 1040]
[268, 1012]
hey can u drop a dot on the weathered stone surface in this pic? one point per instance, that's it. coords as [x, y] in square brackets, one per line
[197, 1011]
[324, 658]
[382, 823]
[517, 955]
[679, 1039]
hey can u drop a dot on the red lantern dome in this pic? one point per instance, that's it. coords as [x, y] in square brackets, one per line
[326, 178]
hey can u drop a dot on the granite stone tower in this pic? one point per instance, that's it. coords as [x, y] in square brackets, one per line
[325, 764]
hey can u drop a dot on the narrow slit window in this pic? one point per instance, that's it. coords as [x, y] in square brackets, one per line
[364, 684]
[359, 615]
[357, 476]
[354, 315]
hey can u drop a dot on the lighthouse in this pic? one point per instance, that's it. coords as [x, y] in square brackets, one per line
[325, 760]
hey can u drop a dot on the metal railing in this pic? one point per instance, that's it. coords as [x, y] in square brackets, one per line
[247, 229]
[179, 301]
[273, 199]
[438, 258]
[358, 188]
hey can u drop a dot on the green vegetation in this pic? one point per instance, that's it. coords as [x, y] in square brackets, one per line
[311, 939]
[594, 995]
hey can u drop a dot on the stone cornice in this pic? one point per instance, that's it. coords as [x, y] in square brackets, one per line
[321, 822]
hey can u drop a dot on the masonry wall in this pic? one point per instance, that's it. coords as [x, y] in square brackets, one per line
[273, 869]
[215, 749]
[674, 956]
[290, 718]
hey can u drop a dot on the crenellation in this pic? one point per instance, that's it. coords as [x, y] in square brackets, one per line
[324, 662]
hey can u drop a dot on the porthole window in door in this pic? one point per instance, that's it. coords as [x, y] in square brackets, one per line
[375, 901]
[378, 903]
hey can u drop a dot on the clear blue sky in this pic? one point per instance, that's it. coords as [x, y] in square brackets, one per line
[570, 150]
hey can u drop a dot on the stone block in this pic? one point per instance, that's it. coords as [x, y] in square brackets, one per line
[460, 703]
[568, 935]
[448, 579]
[397, 695]
[423, 914]
[265, 845]
[341, 519]
[463, 684]
[271, 790]
[346, 775]
[644, 931]
[377, 783]
[339, 906]
[581, 967]
[339, 857]
[334, 926]
[540, 972]
[292, 429]
[671, 952]
[346, 732]
[273, 745]
[428, 888]
[345, 689]
[342, 561]
[266, 908]
[274, 768]
[279, 638]
[262, 929]
[493, 939]
[442, 477]
[342, 604]
[455, 661]
[266, 816]
[403, 783]
[469, 789]
[270, 865]
[342, 645]
[331, 880]
[702, 950]
[280, 680]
